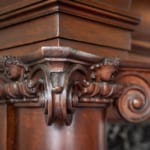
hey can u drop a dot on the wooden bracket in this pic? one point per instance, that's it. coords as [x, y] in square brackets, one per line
[60, 79]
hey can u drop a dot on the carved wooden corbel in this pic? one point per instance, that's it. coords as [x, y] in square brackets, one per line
[60, 79]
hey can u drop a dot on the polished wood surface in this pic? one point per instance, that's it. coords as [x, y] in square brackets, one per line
[3, 127]
[35, 111]
[49, 20]
[58, 136]
[57, 97]
[141, 36]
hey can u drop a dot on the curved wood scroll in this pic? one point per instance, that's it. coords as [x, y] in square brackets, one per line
[134, 103]
[60, 80]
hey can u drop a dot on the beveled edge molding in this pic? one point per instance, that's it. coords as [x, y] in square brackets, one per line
[61, 79]
[101, 13]
[17, 5]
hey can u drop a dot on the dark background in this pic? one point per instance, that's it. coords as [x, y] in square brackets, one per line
[125, 136]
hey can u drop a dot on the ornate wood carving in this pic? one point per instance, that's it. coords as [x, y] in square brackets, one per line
[99, 90]
[134, 103]
[61, 79]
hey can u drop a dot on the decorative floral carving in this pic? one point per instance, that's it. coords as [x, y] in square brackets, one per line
[104, 70]
[99, 90]
[60, 87]
[13, 67]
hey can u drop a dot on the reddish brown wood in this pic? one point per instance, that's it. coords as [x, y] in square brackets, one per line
[96, 22]
[115, 3]
[51, 84]
[141, 36]
[7, 127]
[11, 127]
[3, 127]
[71, 87]
[57, 136]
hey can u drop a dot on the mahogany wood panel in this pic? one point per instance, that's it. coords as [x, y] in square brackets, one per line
[30, 32]
[68, 89]
[104, 50]
[141, 36]
[59, 137]
[50, 19]
[24, 49]
[15, 4]
[11, 130]
[61, 26]
[7, 127]
[93, 32]
[119, 3]
[7, 2]
[91, 48]
[94, 48]
[3, 127]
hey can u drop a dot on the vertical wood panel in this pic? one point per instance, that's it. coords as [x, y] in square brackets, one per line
[3, 127]
[85, 133]
[11, 127]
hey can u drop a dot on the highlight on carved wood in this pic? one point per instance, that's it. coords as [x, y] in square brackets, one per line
[63, 79]
[134, 104]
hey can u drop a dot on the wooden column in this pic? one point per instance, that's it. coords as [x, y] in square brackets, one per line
[54, 97]
[33, 133]
[58, 98]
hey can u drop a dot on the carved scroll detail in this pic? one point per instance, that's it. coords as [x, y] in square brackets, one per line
[60, 87]
[53, 90]
[134, 103]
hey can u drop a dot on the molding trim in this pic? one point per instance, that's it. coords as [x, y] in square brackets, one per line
[20, 13]
[141, 47]
[18, 5]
